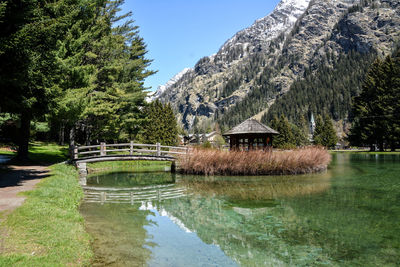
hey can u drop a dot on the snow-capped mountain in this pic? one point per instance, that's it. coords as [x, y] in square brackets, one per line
[259, 64]
[161, 89]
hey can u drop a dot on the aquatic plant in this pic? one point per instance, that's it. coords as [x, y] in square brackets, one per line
[217, 162]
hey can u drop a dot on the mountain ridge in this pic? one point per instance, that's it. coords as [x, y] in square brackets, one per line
[269, 60]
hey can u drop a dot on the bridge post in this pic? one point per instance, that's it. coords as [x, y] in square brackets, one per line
[102, 197]
[158, 146]
[103, 149]
[131, 149]
[73, 150]
[173, 167]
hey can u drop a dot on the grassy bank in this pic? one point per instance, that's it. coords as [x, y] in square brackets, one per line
[216, 162]
[387, 152]
[127, 166]
[47, 230]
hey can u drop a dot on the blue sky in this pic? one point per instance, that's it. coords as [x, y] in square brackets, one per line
[180, 32]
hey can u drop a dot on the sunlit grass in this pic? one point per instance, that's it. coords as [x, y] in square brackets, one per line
[128, 166]
[48, 230]
[42, 153]
[48, 153]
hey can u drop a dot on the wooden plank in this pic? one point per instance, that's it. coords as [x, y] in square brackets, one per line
[173, 152]
[117, 157]
[126, 188]
[118, 150]
[86, 147]
[175, 147]
[145, 150]
[146, 145]
[117, 145]
[89, 152]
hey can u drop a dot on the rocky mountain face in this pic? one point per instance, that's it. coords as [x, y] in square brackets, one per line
[260, 64]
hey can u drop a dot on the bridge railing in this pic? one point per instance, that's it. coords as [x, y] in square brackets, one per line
[103, 149]
[132, 195]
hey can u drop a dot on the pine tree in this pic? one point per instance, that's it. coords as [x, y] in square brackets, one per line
[318, 132]
[161, 126]
[325, 134]
[329, 133]
[103, 72]
[391, 70]
[29, 34]
[375, 109]
[286, 138]
[301, 131]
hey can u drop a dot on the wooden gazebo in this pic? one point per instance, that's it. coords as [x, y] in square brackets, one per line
[250, 135]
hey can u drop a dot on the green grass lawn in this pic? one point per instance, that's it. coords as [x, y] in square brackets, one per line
[124, 166]
[42, 153]
[47, 230]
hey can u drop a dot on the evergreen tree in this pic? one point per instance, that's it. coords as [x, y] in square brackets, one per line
[325, 134]
[161, 126]
[318, 132]
[29, 33]
[301, 131]
[286, 138]
[391, 70]
[117, 95]
[329, 133]
[375, 109]
[104, 69]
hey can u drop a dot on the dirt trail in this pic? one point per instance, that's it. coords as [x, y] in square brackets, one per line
[19, 178]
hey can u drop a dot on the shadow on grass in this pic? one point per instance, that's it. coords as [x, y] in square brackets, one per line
[40, 153]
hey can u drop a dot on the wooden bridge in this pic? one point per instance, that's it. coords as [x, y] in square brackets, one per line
[132, 195]
[125, 151]
[80, 155]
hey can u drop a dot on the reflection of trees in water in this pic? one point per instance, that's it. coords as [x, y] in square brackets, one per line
[242, 218]
[250, 236]
[118, 234]
[246, 220]
[127, 179]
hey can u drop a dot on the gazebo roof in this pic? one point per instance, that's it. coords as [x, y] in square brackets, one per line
[251, 126]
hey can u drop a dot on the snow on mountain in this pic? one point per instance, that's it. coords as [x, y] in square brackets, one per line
[161, 89]
[281, 20]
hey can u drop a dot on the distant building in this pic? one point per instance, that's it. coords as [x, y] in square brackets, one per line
[196, 139]
[250, 135]
[312, 124]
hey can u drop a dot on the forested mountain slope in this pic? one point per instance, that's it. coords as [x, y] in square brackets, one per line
[306, 56]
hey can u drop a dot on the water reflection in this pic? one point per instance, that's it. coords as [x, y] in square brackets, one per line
[254, 188]
[130, 179]
[346, 216]
[119, 234]
[4, 158]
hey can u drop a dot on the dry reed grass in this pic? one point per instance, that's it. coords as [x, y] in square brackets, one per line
[216, 162]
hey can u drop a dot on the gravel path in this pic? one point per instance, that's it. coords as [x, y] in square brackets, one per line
[19, 178]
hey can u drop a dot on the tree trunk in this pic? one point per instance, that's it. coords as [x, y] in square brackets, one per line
[393, 146]
[381, 147]
[72, 140]
[61, 134]
[371, 148]
[24, 136]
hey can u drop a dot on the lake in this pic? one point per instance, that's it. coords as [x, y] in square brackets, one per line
[346, 216]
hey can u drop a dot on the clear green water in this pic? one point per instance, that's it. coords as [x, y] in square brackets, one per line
[347, 216]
